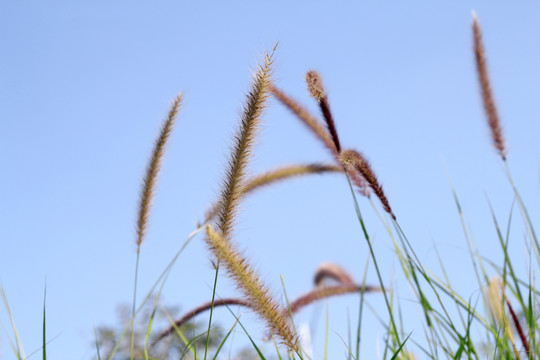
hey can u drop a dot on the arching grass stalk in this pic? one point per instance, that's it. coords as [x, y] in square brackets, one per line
[324, 271]
[147, 193]
[394, 330]
[273, 176]
[360, 311]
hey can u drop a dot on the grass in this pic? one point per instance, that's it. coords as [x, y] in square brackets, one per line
[499, 323]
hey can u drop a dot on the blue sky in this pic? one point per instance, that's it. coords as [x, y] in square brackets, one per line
[85, 86]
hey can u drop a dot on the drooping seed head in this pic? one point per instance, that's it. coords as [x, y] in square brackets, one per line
[353, 160]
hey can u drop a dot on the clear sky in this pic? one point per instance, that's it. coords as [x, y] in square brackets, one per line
[85, 85]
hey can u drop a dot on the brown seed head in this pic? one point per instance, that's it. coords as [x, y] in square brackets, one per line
[316, 90]
[152, 171]
[315, 86]
[352, 159]
[488, 99]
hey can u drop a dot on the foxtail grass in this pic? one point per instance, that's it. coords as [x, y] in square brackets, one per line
[354, 160]
[318, 129]
[147, 194]
[253, 288]
[152, 171]
[245, 137]
[488, 99]
[317, 91]
[220, 242]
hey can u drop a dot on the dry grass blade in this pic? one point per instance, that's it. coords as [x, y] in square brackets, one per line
[256, 292]
[351, 160]
[276, 175]
[152, 170]
[487, 93]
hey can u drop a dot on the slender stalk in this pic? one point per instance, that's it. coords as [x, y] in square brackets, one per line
[147, 193]
[377, 270]
[273, 176]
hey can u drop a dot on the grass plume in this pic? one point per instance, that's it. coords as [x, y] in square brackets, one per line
[219, 241]
[253, 288]
[233, 184]
[316, 90]
[487, 93]
[152, 171]
[147, 193]
[352, 159]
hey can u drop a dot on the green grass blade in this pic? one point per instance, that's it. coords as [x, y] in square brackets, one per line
[394, 329]
[350, 354]
[224, 340]
[181, 335]
[211, 312]
[249, 336]
[44, 327]
[360, 310]
[400, 348]
[20, 350]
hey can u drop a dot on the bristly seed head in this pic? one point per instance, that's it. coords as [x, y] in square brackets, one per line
[352, 159]
[316, 90]
[315, 86]
[152, 171]
[487, 93]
